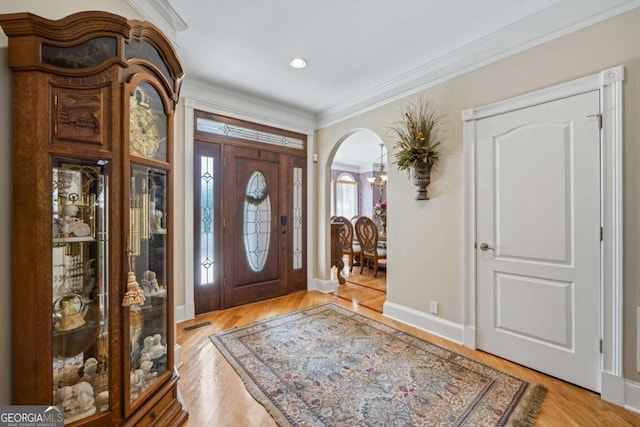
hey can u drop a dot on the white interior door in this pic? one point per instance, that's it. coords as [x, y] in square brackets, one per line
[538, 238]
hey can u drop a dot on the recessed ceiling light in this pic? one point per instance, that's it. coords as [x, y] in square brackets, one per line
[298, 62]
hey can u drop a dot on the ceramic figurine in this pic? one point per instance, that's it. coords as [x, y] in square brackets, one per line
[77, 400]
[69, 210]
[145, 363]
[102, 401]
[157, 222]
[90, 370]
[146, 366]
[150, 284]
[153, 346]
[79, 228]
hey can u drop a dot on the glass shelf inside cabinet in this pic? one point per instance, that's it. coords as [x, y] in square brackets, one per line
[147, 281]
[79, 303]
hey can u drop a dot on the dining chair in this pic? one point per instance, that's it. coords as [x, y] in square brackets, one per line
[346, 240]
[353, 223]
[367, 233]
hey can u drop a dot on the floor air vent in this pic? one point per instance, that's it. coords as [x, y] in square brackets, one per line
[196, 326]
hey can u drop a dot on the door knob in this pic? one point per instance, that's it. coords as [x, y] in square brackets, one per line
[485, 247]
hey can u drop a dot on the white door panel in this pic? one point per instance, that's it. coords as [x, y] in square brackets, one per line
[549, 303]
[542, 153]
[538, 211]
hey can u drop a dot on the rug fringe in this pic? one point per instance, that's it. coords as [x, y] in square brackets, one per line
[527, 417]
[256, 393]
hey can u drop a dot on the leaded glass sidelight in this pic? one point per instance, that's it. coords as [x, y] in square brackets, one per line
[257, 221]
[297, 218]
[207, 255]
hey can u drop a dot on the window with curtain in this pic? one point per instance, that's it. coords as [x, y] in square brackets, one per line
[346, 202]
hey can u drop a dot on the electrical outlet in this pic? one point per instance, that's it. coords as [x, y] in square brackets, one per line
[434, 307]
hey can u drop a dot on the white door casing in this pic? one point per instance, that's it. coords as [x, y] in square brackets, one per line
[538, 231]
[609, 84]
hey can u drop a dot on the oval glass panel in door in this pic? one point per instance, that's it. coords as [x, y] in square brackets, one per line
[257, 221]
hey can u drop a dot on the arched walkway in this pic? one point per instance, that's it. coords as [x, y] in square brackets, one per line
[354, 163]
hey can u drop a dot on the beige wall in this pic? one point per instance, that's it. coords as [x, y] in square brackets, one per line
[425, 238]
[52, 9]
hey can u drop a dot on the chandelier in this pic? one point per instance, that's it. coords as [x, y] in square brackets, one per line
[379, 180]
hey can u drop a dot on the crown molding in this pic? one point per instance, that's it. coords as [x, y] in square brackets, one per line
[548, 24]
[553, 22]
[163, 15]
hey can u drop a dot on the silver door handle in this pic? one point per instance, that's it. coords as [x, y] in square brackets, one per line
[485, 247]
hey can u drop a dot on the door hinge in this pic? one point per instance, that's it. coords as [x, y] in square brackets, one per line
[475, 245]
[224, 221]
[601, 234]
[601, 345]
[599, 117]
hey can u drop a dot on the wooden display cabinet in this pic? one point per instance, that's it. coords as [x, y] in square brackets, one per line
[93, 112]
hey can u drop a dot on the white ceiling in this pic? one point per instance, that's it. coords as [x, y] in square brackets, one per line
[361, 151]
[360, 52]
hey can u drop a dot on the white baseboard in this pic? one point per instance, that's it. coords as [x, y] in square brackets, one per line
[613, 389]
[469, 339]
[177, 356]
[185, 312]
[429, 323]
[180, 314]
[632, 396]
[325, 286]
[190, 311]
[621, 392]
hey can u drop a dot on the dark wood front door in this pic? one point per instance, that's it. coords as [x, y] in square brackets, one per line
[249, 212]
[255, 232]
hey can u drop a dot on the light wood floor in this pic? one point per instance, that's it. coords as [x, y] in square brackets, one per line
[215, 396]
[363, 289]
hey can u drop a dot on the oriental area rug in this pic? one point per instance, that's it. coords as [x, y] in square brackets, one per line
[329, 366]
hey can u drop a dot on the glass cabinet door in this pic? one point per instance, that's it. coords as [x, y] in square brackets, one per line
[80, 320]
[147, 123]
[147, 280]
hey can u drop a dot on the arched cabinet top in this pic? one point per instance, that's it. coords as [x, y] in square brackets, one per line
[86, 43]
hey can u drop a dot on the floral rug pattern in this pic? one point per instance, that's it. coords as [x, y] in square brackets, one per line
[329, 366]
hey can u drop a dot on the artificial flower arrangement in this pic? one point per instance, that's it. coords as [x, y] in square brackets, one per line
[418, 134]
[418, 144]
[380, 212]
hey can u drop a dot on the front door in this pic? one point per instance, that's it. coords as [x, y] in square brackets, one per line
[254, 224]
[538, 238]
